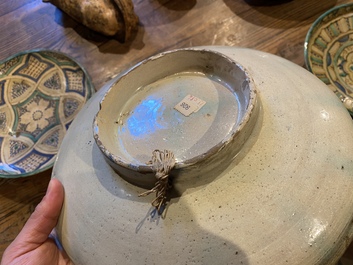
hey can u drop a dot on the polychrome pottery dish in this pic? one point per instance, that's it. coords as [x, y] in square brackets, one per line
[285, 198]
[41, 93]
[329, 51]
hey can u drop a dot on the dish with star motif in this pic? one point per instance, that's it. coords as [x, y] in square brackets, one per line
[41, 92]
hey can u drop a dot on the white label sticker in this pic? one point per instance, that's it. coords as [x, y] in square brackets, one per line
[189, 104]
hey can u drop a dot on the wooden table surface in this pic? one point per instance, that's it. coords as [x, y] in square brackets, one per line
[164, 25]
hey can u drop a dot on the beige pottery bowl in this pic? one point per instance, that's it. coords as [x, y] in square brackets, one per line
[285, 199]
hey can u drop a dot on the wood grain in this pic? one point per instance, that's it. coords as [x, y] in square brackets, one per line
[164, 25]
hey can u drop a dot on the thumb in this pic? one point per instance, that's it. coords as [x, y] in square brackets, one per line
[43, 220]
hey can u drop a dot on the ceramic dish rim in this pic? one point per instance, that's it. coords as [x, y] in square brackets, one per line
[248, 115]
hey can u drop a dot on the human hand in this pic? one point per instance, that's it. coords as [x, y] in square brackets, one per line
[33, 244]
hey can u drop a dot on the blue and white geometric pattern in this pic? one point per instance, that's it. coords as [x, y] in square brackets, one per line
[2, 92]
[40, 94]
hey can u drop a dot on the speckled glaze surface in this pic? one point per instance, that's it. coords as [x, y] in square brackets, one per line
[40, 94]
[286, 198]
[139, 114]
[328, 51]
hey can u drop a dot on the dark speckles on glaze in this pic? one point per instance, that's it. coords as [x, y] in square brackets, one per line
[269, 196]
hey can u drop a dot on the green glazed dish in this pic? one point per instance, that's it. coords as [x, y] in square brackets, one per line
[41, 93]
[328, 51]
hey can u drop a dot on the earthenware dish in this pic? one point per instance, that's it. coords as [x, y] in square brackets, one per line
[151, 108]
[286, 198]
[328, 51]
[41, 93]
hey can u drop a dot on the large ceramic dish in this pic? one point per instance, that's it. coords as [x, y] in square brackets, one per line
[329, 51]
[286, 199]
[41, 93]
[151, 108]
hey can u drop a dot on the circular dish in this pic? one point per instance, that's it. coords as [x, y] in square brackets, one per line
[285, 199]
[328, 51]
[202, 107]
[41, 93]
